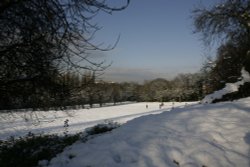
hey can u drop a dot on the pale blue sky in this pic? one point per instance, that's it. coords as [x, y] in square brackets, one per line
[156, 40]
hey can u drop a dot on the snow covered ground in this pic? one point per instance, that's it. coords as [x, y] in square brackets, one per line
[193, 135]
[205, 135]
[20, 123]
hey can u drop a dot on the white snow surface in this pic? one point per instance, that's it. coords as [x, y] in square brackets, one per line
[50, 122]
[211, 135]
[229, 88]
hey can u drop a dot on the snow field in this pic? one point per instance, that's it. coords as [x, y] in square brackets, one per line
[190, 135]
[211, 135]
[50, 122]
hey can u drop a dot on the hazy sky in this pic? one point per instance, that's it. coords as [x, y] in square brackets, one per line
[156, 40]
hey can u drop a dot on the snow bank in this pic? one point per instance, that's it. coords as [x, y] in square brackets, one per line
[213, 135]
[229, 88]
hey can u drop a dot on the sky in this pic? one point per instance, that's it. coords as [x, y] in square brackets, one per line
[156, 40]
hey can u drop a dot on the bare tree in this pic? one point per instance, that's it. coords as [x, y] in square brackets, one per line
[228, 20]
[40, 40]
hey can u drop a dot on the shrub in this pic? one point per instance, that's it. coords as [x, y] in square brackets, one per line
[29, 150]
[102, 128]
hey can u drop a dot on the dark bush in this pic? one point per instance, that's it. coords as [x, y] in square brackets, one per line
[101, 128]
[27, 151]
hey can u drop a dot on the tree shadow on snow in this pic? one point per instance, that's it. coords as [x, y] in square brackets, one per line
[247, 140]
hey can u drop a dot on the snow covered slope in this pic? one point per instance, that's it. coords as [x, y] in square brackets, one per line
[20, 123]
[211, 135]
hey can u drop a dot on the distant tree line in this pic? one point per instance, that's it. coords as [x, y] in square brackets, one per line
[81, 91]
[90, 90]
[184, 87]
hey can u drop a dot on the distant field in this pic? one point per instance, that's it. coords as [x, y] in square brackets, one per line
[49, 122]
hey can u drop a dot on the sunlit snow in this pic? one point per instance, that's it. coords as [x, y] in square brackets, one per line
[50, 122]
[178, 134]
[212, 135]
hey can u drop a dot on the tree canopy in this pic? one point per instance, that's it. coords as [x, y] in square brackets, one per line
[229, 23]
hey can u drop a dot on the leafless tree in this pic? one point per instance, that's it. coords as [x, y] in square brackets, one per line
[228, 20]
[42, 39]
